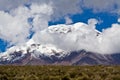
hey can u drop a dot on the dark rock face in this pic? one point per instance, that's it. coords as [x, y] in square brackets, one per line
[74, 58]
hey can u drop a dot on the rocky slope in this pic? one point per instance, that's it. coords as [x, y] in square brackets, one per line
[37, 54]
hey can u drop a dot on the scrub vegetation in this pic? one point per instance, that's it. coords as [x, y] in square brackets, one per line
[60, 72]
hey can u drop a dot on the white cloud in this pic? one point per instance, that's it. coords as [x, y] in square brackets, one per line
[119, 20]
[68, 20]
[42, 15]
[111, 39]
[92, 23]
[82, 36]
[14, 26]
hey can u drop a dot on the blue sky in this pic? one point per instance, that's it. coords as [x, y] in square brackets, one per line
[3, 45]
[106, 20]
[106, 12]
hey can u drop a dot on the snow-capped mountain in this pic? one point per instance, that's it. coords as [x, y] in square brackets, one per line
[34, 50]
[34, 53]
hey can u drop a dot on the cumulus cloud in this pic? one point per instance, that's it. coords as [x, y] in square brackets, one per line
[81, 36]
[13, 29]
[70, 37]
[119, 20]
[110, 39]
[14, 26]
[68, 20]
[92, 23]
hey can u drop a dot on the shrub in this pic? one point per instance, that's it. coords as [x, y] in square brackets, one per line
[66, 78]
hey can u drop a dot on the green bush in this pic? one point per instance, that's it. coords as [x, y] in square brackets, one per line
[60, 72]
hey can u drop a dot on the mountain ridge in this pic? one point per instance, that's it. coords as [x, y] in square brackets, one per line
[81, 57]
[35, 53]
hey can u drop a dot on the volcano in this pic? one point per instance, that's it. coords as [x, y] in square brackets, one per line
[48, 53]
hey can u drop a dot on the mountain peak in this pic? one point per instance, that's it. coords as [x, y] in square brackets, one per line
[60, 44]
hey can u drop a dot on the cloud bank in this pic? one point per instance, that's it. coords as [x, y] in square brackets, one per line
[14, 26]
[17, 21]
[81, 36]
